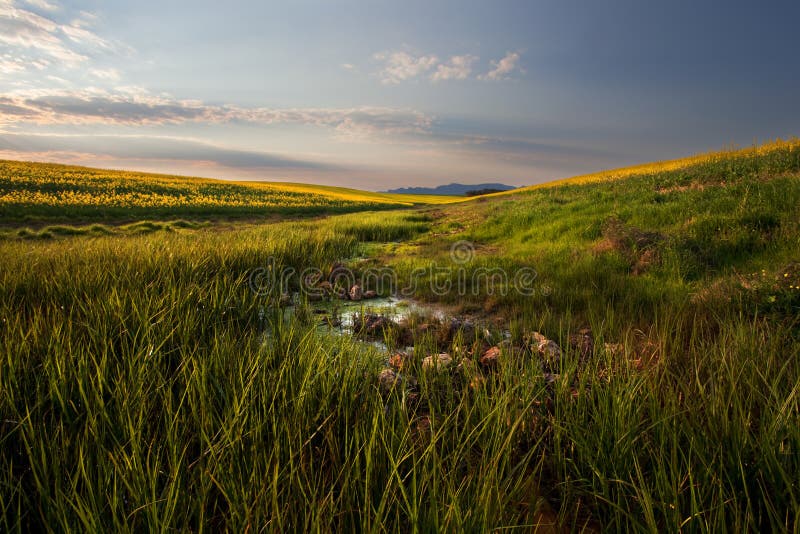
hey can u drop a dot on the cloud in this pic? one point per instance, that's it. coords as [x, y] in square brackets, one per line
[136, 106]
[401, 66]
[458, 68]
[158, 148]
[36, 41]
[106, 74]
[42, 4]
[503, 67]
[82, 36]
[10, 64]
[22, 30]
[9, 108]
[85, 19]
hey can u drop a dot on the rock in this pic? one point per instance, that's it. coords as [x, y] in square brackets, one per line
[377, 322]
[491, 357]
[535, 338]
[547, 348]
[285, 299]
[312, 279]
[583, 344]
[466, 328]
[355, 293]
[325, 286]
[370, 324]
[399, 360]
[550, 350]
[387, 379]
[370, 294]
[437, 361]
[341, 293]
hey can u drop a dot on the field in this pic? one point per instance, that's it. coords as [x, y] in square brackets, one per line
[144, 384]
[39, 193]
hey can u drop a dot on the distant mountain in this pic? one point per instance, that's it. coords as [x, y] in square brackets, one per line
[450, 189]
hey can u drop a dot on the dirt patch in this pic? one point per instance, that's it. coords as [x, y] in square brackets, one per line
[639, 247]
[694, 186]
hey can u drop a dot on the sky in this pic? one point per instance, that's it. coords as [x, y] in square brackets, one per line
[380, 94]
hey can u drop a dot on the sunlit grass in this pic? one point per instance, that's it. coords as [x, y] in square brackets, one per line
[764, 153]
[144, 385]
[38, 191]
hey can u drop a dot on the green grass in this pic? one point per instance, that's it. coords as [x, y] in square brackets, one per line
[144, 386]
[96, 230]
[714, 225]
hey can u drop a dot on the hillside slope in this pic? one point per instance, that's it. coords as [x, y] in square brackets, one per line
[629, 239]
[31, 192]
[765, 152]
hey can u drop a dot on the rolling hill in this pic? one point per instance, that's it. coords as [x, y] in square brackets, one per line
[44, 192]
[449, 189]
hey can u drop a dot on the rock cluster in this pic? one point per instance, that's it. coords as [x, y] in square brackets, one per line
[338, 285]
[371, 324]
[438, 362]
[490, 358]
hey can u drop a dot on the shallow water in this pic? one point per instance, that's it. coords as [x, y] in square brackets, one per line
[392, 308]
[337, 317]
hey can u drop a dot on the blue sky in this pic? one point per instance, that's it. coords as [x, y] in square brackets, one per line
[376, 94]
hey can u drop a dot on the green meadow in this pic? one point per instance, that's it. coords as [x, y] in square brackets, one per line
[144, 384]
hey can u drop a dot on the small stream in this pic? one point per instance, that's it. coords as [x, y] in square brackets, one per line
[339, 317]
[347, 312]
[392, 308]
